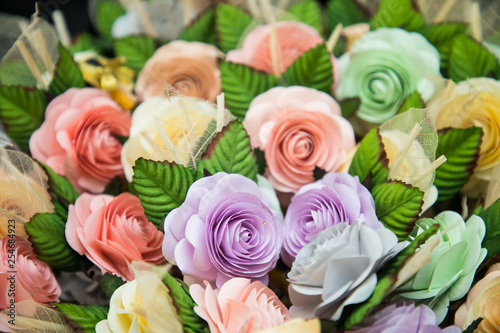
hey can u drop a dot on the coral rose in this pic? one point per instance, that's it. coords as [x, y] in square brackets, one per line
[77, 138]
[112, 232]
[33, 279]
[239, 306]
[190, 67]
[298, 129]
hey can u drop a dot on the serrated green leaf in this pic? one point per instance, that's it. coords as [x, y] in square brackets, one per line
[412, 101]
[491, 218]
[231, 23]
[109, 283]
[67, 74]
[241, 84]
[161, 187]
[346, 12]
[179, 291]
[83, 318]
[470, 59]
[202, 29]
[61, 191]
[21, 112]
[107, 13]
[230, 152]
[309, 12]
[461, 148]
[349, 106]
[312, 69]
[398, 206]
[370, 161]
[47, 234]
[397, 14]
[137, 50]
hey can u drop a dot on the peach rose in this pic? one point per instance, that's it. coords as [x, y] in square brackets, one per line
[239, 306]
[77, 138]
[190, 67]
[294, 38]
[298, 129]
[33, 279]
[112, 232]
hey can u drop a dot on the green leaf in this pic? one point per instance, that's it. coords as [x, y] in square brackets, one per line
[84, 43]
[370, 161]
[261, 160]
[312, 69]
[191, 322]
[47, 234]
[397, 14]
[349, 106]
[309, 12]
[412, 101]
[346, 12]
[470, 59]
[461, 148]
[83, 318]
[107, 13]
[241, 84]
[473, 325]
[109, 283]
[67, 74]
[61, 191]
[231, 23]
[202, 29]
[137, 50]
[21, 112]
[161, 187]
[230, 152]
[397, 205]
[491, 218]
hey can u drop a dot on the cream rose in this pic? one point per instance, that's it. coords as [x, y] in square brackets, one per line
[142, 305]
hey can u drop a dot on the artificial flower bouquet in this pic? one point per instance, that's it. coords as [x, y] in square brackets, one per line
[258, 166]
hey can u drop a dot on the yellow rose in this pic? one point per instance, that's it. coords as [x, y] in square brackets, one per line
[483, 301]
[298, 325]
[143, 305]
[475, 102]
[174, 129]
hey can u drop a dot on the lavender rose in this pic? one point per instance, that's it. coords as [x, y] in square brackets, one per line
[224, 229]
[336, 198]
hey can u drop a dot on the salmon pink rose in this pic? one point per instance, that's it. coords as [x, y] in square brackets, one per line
[33, 279]
[77, 138]
[298, 129]
[112, 232]
[239, 306]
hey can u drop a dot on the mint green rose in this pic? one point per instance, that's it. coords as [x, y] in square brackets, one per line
[383, 68]
[449, 274]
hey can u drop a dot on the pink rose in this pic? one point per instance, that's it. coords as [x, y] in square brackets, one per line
[294, 38]
[190, 67]
[298, 129]
[112, 232]
[77, 138]
[33, 279]
[239, 306]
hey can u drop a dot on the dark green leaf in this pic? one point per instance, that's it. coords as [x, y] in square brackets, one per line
[470, 59]
[412, 101]
[349, 106]
[230, 152]
[84, 43]
[473, 325]
[261, 160]
[21, 112]
[137, 50]
[83, 318]
[231, 23]
[109, 283]
[67, 74]
[461, 149]
[107, 13]
[241, 84]
[309, 12]
[202, 29]
[346, 12]
[47, 234]
[312, 69]
[491, 218]
[161, 186]
[398, 206]
[397, 14]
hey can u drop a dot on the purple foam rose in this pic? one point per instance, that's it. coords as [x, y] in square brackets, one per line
[336, 198]
[224, 229]
[401, 318]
